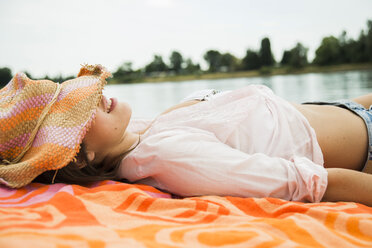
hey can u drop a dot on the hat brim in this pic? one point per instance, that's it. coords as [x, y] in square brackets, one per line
[62, 131]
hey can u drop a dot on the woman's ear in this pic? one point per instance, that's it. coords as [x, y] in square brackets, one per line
[90, 156]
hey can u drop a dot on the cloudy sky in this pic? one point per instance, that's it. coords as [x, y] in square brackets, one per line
[54, 37]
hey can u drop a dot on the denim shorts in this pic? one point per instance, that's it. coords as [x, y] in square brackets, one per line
[365, 114]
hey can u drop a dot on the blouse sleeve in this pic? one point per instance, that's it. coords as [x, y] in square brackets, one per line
[194, 163]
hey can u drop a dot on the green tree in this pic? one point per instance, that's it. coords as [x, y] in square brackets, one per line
[360, 49]
[5, 76]
[296, 57]
[251, 61]
[345, 48]
[352, 51]
[286, 57]
[356, 51]
[265, 54]
[191, 68]
[369, 40]
[228, 62]
[176, 62]
[328, 52]
[157, 65]
[126, 67]
[213, 58]
[126, 74]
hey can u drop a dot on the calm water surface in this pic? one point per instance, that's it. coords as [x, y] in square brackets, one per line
[150, 99]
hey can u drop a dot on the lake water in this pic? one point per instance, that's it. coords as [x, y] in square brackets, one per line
[150, 99]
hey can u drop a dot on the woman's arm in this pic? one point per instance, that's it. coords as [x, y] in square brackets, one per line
[348, 185]
[192, 162]
[365, 100]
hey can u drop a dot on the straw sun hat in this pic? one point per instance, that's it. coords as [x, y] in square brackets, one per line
[43, 123]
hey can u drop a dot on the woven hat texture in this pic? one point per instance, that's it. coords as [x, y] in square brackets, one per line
[60, 133]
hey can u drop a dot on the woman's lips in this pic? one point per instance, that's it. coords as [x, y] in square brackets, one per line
[113, 104]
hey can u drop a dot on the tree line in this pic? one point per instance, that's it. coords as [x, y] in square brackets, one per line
[332, 51]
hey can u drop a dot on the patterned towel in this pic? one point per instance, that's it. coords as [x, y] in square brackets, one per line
[114, 214]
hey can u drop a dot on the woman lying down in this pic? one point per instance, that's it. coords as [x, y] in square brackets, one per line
[246, 142]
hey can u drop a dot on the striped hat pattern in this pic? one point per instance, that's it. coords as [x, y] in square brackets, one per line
[42, 123]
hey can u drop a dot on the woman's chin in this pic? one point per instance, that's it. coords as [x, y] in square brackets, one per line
[124, 112]
[123, 107]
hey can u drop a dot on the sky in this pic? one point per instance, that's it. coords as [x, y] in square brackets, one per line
[50, 37]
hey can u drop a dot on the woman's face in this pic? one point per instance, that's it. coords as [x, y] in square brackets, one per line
[108, 131]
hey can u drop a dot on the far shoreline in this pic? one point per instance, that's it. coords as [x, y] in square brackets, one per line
[264, 72]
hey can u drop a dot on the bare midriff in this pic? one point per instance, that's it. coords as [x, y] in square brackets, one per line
[341, 134]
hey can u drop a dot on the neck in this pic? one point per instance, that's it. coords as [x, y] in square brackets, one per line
[126, 144]
[130, 141]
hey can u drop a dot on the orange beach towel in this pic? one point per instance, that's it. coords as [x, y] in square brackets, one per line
[114, 214]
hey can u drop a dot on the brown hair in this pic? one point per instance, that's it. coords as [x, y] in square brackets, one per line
[80, 171]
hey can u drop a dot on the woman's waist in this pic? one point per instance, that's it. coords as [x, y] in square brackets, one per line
[341, 134]
[328, 119]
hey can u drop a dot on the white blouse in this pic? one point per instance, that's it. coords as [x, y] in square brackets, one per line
[247, 143]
